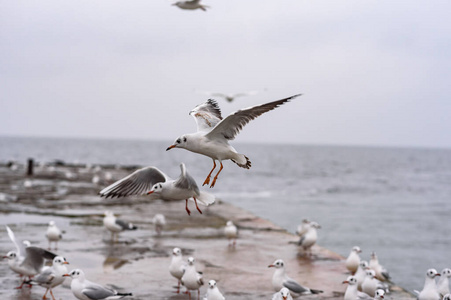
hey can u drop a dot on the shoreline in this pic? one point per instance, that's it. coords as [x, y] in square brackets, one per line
[139, 262]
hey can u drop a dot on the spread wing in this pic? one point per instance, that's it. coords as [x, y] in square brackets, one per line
[185, 181]
[137, 183]
[95, 291]
[35, 258]
[294, 286]
[13, 239]
[231, 126]
[206, 115]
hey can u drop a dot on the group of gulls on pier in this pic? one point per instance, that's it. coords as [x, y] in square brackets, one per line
[367, 280]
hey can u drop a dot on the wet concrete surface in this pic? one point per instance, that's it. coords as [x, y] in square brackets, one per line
[139, 261]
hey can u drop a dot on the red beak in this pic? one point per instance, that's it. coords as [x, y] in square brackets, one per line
[170, 147]
[66, 275]
[345, 281]
[65, 263]
[149, 192]
[271, 266]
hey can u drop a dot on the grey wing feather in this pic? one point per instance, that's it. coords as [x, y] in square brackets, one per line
[125, 225]
[294, 286]
[231, 126]
[185, 181]
[137, 183]
[46, 276]
[95, 291]
[35, 258]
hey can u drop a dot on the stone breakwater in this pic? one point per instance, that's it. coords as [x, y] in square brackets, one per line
[139, 261]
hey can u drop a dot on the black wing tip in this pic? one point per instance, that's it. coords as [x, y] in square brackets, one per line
[316, 291]
[124, 294]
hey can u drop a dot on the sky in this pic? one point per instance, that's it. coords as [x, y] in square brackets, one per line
[372, 72]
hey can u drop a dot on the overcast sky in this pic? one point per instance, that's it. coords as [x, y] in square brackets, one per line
[371, 72]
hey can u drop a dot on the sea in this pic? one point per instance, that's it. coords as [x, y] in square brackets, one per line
[394, 201]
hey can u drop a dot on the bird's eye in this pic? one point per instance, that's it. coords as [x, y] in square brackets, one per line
[184, 139]
[178, 141]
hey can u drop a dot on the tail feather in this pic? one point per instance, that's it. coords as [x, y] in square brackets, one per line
[124, 294]
[206, 199]
[316, 291]
[242, 161]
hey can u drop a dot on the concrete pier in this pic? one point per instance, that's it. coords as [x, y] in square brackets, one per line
[139, 261]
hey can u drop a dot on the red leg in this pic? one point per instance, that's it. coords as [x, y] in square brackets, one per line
[20, 286]
[216, 177]
[44, 297]
[207, 180]
[51, 293]
[186, 207]
[195, 201]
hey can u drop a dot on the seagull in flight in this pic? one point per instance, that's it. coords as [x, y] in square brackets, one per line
[191, 5]
[229, 97]
[153, 182]
[214, 132]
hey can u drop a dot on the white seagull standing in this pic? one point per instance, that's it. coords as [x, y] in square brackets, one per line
[213, 292]
[303, 227]
[191, 279]
[280, 279]
[51, 277]
[53, 234]
[213, 133]
[370, 284]
[381, 273]
[116, 225]
[84, 289]
[351, 291]
[353, 260]
[360, 274]
[443, 282]
[283, 294]
[153, 182]
[309, 238]
[429, 291]
[231, 232]
[177, 266]
[159, 221]
[191, 5]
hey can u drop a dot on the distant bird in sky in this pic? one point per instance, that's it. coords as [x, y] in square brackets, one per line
[53, 234]
[153, 182]
[280, 279]
[213, 133]
[309, 238]
[192, 279]
[283, 294]
[177, 266]
[84, 289]
[191, 5]
[159, 221]
[429, 291]
[116, 225]
[231, 232]
[229, 97]
[213, 292]
[353, 260]
[51, 277]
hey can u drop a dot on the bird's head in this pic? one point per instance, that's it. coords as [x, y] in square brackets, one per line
[156, 188]
[176, 252]
[277, 264]
[432, 273]
[190, 261]
[10, 255]
[284, 292]
[76, 273]
[212, 284]
[59, 260]
[356, 249]
[180, 142]
[351, 280]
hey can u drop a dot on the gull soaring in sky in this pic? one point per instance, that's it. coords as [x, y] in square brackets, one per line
[191, 5]
[214, 133]
[229, 97]
[158, 185]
